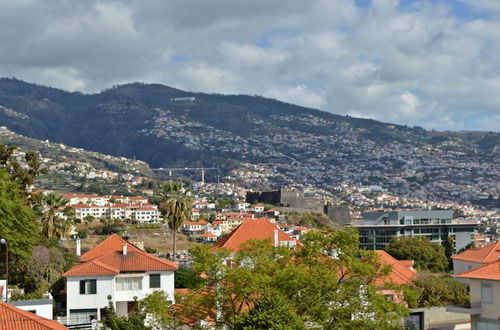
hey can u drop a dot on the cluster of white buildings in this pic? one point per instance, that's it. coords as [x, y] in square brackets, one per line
[125, 208]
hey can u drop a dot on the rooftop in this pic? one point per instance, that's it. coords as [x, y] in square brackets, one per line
[259, 229]
[12, 318]
[486, 254]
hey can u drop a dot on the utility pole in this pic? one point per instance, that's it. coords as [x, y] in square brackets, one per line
[4, 241]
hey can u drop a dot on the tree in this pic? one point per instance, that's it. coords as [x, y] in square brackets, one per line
[272, 313]
[159, 309]
[41, 271]
[134, 321]
[17, 220]
[327, 283]
[175, 207]
[24, 176]
[427, 255]
[438, 290]
[52, 224]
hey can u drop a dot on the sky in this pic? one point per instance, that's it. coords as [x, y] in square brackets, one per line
[429, 63]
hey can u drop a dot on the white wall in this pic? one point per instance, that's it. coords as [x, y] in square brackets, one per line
[460, 266]
[43, 310]
[491, 311]
[105, 286]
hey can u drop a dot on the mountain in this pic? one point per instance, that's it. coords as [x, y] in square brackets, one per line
[168, 127]
[76, 169]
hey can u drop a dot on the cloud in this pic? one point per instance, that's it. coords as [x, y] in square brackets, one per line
[417, 62]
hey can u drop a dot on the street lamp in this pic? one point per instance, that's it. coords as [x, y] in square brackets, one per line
[4, 241]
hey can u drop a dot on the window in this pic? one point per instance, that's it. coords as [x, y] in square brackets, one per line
[128, 283]
[82, 315]
[486, 293]
[88, 286]
[154, 281]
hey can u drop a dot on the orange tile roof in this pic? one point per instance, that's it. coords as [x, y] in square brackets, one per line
[489, 271]
[251, 229]
[400, 273]
[13, 318]
[110, 244]
[208, 234]
[486, 254]
[107, 258]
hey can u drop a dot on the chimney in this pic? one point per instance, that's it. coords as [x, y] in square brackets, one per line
[276, 243]
[124, 247]
[78, 247]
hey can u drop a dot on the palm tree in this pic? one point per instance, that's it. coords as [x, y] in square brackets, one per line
[52, 224]
[175, 207]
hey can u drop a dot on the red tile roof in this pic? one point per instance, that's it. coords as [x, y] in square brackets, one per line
[486, 254]
[489, 271]
[12, 318]
[251, 229]
[208, 234]
[107, 258]
[110, 244]
[400, 273]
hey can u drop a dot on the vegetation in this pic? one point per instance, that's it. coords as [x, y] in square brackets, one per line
[176, 208]
[272, 313]
[17, 220]
[54, 225]
[152, 312]
[331, 292]
[315, 219]
[186, 278]
[426, 254]
[437, 290]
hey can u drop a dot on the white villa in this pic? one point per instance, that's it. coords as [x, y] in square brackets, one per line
[118, 269]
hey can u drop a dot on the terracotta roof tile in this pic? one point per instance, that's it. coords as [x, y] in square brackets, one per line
[400, 273]
[110, 244]
[107, 258]
[12, 318]
[251, 229]
[489, 253]
[489, 271]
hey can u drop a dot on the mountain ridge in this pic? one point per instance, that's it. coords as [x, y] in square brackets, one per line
[302, 146]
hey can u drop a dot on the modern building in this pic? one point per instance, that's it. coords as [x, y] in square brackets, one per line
[377, 228]
[120, 270]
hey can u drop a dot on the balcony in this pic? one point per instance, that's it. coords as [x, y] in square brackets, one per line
[471, 309]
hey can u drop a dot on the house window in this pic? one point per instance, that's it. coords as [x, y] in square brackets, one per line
[128, 283]
[486, 293]
[154, 281]
[88, 286]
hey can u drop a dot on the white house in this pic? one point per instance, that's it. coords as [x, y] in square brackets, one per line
[118, 269]
[484, 306]
[40, 307]
[473, 258]
[258, 208]
[146, 214]
[241, 206]
[194, 227]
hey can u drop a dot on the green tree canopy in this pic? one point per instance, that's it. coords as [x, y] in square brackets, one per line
[327, 283]
[427, 255]
[54, 225]
[17, 220]
[437, 290]
[273, 313]
[24, 176]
